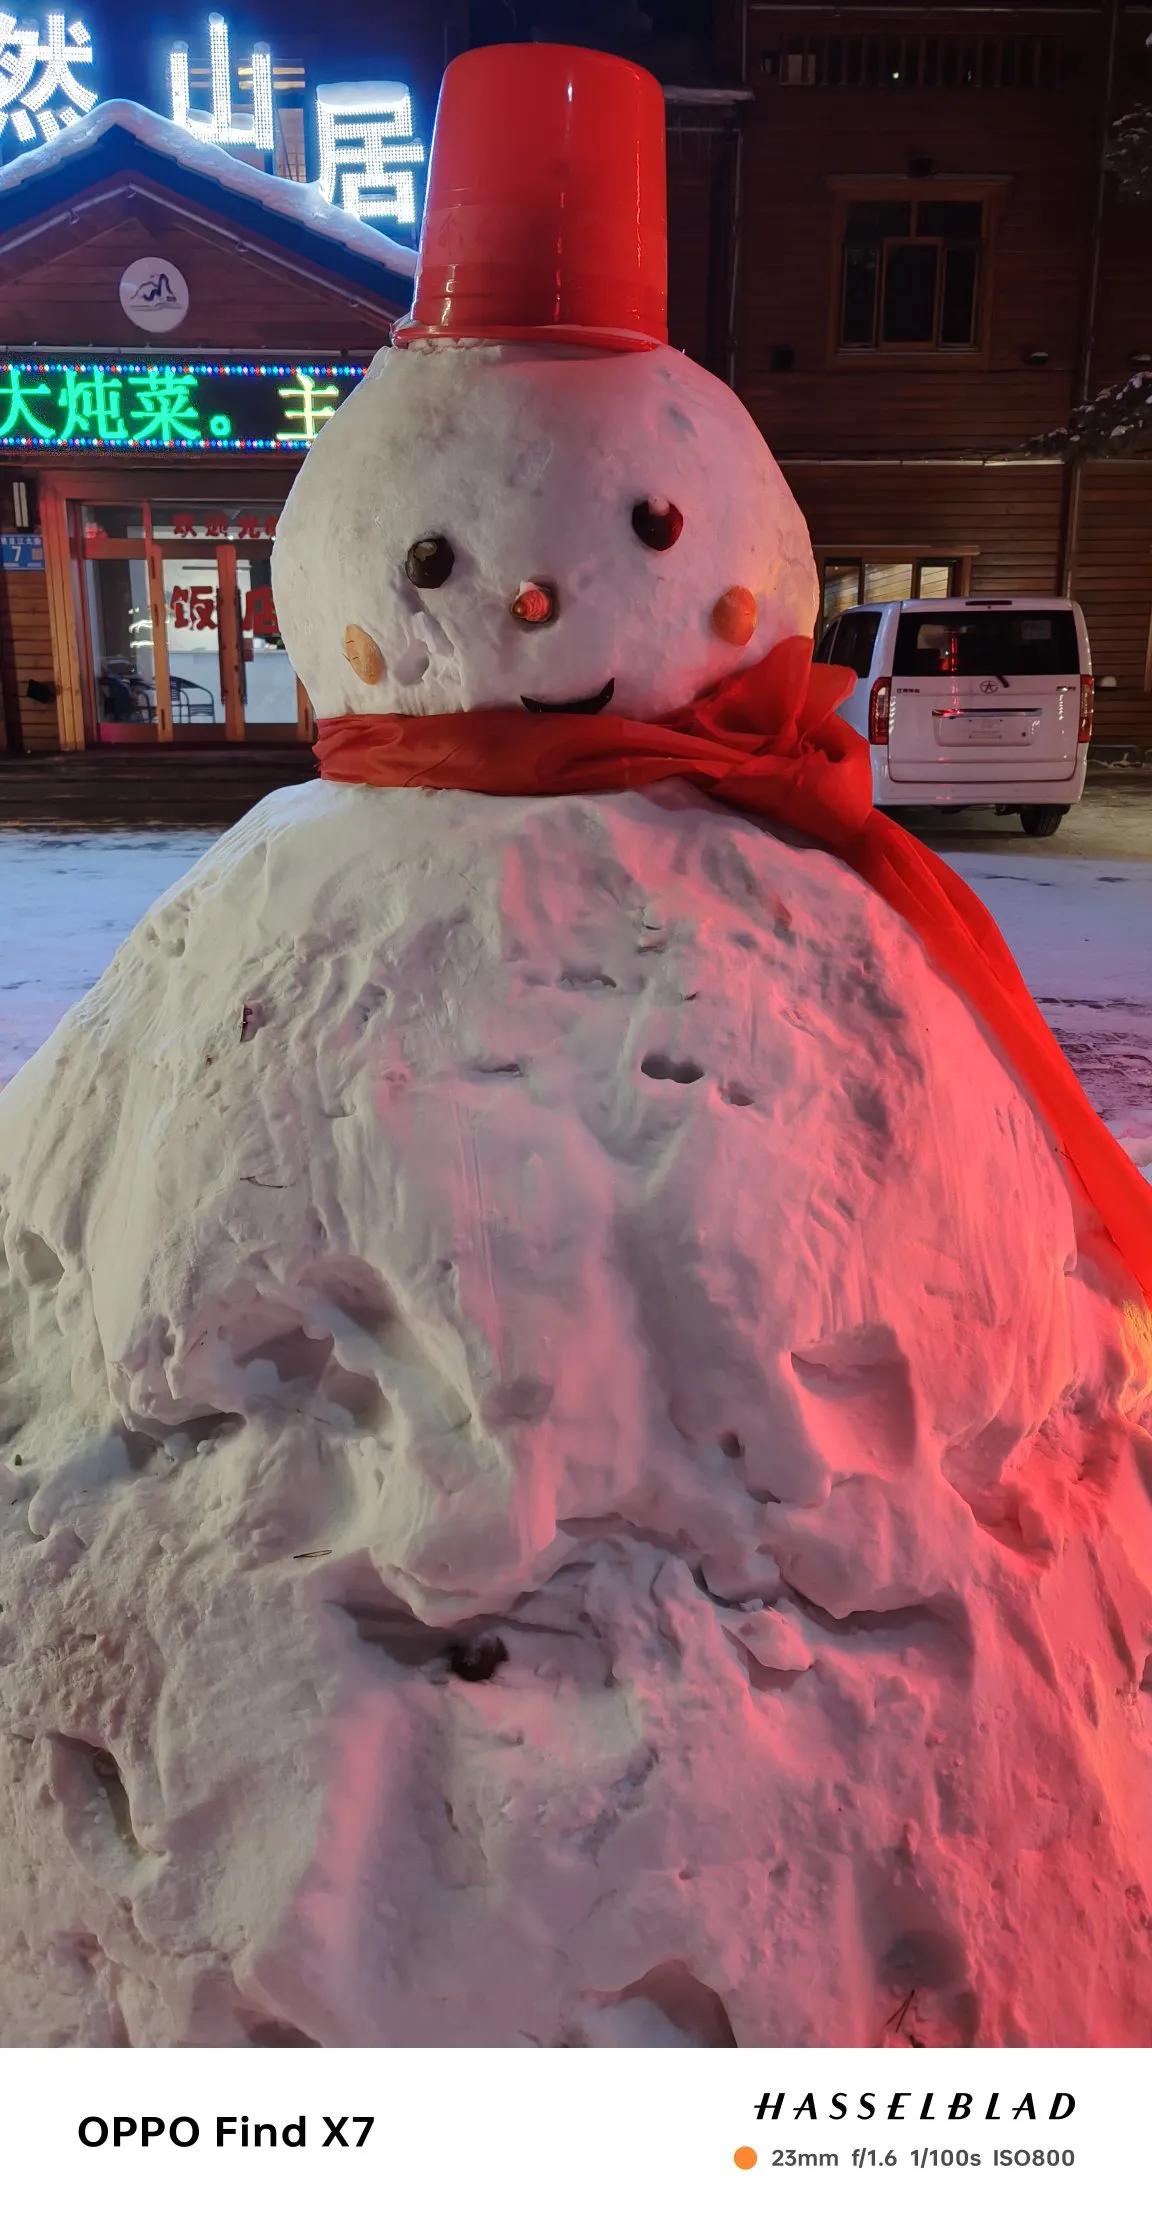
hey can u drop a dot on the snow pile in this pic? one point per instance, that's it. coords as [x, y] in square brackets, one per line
[529, 461]
[566, 1482]
[299, 203]
[572, 1476]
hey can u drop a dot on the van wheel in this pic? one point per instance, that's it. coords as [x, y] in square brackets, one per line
[1041, 822]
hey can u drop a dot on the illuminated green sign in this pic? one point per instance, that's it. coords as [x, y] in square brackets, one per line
[178, 406]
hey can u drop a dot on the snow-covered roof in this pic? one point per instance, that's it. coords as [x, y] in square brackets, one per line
[298, 203]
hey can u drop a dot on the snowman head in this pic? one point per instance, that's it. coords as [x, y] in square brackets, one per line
[525, 526]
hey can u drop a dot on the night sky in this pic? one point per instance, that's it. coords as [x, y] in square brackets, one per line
[352, 38]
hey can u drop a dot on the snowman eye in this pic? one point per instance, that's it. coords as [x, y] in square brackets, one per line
[657, 524]
[428, 562]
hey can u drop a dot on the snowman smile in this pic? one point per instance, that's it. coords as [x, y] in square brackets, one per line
[590, 706]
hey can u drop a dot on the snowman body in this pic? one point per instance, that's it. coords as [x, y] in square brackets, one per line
[571, 1477]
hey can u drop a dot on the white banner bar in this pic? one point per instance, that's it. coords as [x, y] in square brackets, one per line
[604, 2131]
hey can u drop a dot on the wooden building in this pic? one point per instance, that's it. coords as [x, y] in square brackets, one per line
[932, 267]
[892, 229]
[141, 477]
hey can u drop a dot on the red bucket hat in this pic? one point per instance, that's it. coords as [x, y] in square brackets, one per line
[546, 211]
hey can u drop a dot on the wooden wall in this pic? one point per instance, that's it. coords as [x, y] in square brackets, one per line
[798, 138]
[1112, 580]
[839, 426]
[26, 652]
[1124, 310]
[1008, 519]
[61, 287]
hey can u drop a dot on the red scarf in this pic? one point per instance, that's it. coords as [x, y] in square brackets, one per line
[769, 742]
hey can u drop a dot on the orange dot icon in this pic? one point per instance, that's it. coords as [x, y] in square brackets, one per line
[745, 2157]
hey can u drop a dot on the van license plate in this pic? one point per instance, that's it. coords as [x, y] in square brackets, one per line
[986, 730]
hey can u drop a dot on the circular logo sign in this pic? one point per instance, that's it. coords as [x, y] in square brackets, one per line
[154, 294]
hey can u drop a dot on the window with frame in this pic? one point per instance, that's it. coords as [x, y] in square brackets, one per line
[849, 642]
[848, 579]
[910, 274]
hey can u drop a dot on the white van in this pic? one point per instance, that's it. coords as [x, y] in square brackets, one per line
[970, 703]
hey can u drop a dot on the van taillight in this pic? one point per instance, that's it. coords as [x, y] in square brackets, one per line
[880, 712]
[1086, 701]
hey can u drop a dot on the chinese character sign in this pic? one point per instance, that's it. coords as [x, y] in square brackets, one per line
[235, 407]
[165, 409]
[222, 125]
[259, 615]
[97, 406]
[197, 607]
[367, 150]
[307, 405]
[41, 78]
[196, 523]
[194, 607]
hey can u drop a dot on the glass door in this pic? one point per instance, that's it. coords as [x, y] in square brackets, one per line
[182, 636]
[123, 656]
[120, 609]
[191, 595]
[268, 681]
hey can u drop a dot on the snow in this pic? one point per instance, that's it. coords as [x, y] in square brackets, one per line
[77, 894]
[1121, 412]
[556, 1221]
[1129, 153]
[299, 203]
[529, 460]
[1077, 912]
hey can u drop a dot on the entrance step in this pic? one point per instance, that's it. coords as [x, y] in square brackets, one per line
[160, 784]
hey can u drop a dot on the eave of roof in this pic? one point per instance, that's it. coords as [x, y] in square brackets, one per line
[119, 137]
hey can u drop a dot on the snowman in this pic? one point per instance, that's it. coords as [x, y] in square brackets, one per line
[575, 1381]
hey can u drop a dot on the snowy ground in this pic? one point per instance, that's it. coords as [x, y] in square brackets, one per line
[1076, 910]
[70, 897]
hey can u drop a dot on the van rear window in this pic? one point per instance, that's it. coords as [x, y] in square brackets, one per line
[995, 642]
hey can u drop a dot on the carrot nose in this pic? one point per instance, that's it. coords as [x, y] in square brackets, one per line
[535, 604]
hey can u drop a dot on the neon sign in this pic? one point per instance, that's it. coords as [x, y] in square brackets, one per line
[39, 87]
[222, 126]
[367, 143]
[181, 406]
[367, 150]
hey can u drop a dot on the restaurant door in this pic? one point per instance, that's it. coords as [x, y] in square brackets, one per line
[180, 635]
